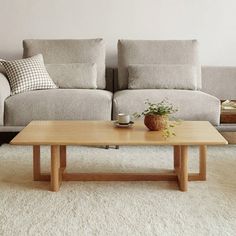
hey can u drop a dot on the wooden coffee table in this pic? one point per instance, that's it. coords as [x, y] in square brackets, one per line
[59, 134]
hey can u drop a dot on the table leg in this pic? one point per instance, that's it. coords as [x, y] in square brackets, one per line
[183, 173]
[202, 161]
[55, 166]
[36, 163]
[63, 156]
[177, 155]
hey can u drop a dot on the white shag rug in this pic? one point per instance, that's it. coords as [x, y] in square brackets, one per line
[117, 208]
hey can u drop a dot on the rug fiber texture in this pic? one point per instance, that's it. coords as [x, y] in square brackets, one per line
[117, 208]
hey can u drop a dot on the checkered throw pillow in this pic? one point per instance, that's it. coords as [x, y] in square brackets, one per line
[27, 74]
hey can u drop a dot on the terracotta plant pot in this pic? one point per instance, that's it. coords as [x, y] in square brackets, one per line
[155, 122]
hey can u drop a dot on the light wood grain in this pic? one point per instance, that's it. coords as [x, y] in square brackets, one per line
[63, 156]
[36, 163]
[55, 167]
[194, 177]
[171, 176]
[61, 172]
[45, 177]
[183, 172]
[104, 133]
[202, 161]
[58, 134]
[177, 154]
[107, 176]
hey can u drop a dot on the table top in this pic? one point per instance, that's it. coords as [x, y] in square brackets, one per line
[104, 133]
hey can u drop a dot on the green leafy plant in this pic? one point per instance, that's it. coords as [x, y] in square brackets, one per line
[163, 108]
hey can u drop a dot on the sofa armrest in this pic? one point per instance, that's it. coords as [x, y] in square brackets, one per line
[219, 81]
[5, 92]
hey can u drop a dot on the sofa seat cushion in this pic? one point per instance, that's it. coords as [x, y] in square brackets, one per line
[58, 104]
[192, 105]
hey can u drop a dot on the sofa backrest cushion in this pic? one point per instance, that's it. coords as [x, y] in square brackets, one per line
[181, 52]
[162, 77]
[70, 51]
[74, 75]
[219, 81]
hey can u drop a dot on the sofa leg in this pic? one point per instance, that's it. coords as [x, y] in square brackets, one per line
[116, 146]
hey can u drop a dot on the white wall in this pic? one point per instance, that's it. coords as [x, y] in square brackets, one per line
[212, 22]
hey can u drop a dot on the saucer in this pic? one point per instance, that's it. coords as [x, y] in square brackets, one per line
[118, 125]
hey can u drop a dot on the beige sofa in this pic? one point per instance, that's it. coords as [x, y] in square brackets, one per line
[214, 84]
[58, 104]
[174, 54]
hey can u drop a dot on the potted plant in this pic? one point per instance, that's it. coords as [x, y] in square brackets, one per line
[156, 116]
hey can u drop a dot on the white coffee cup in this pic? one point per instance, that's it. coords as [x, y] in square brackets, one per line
[123, 118]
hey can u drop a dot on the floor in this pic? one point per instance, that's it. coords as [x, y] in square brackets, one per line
[117, 208]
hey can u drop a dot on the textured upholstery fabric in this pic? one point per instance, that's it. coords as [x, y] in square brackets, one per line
[11, 128]
[74, 75]
[226, 128]
[192, 105]
[58, 104]
[219, 81]
[156, 52]
[27, 74]
[158, 76]
[5, 92]
[70, 51]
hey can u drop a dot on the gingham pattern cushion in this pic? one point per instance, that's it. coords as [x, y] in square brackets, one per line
[27, 74]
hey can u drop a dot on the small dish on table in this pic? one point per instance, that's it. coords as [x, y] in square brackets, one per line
[126, 125]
